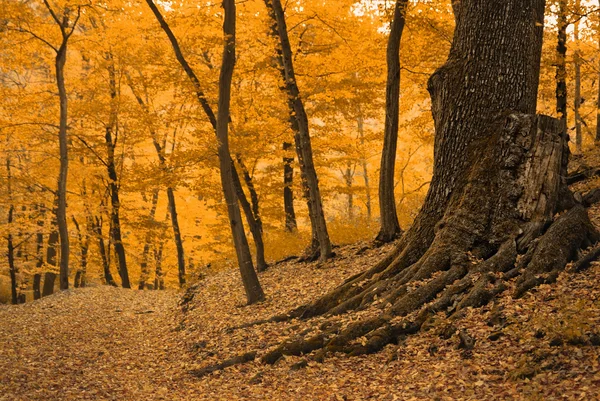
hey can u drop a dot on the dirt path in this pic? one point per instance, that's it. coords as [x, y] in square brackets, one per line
[98, 343]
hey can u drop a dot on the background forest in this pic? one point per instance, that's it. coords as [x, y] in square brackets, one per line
[143, 194]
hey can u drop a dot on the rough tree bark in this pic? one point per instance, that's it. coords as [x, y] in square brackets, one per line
[288, 194]
[321, 244]
[252, 286]
[498, 182]
[390, 228]
[561, 60]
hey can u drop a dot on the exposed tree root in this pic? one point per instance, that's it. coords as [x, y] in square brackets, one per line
[238, 360]
[587, 260]
[499, 226]
[582, 175]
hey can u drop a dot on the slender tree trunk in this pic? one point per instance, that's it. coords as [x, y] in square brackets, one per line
[561, 61]
[390, 228]
[177, 235]
[111, 136]
[254, 291]
[363, 162]
[104, 253]
[577, 65]
[252, 214]
[147, 243]
[61, 211]
[80, 278]
[598, 97]
[51, 253]
[160, 151]
[159, 281]
[302, 136]
[349, 178]
[250, 280]
[288, 195]
[39, 248]
[11, 250]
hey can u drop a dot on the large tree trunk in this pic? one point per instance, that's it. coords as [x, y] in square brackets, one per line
[288, 194]
[498, 181]
[110, 137]
[320, 238]
[390, 228]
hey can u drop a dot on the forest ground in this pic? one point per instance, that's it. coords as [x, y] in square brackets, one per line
[105, 343]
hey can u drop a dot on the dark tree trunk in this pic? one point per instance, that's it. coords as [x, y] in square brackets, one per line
[498, 182]
[288, 195]
[104, 254]
[144, 273]
[177, 236]
[253, 289]
[39, 248]
[249, 278]
[80, 279]
[51, 254]
[321, 243]
[37, 283]
[252, 212]
[9, 238]
[597, 139]
[61, 210]
[111, 138]
[390, 228]
[561, 61]
[159, 281]
[49, 280]
[577, 66]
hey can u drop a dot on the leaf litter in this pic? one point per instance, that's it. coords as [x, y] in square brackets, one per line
[105, 343]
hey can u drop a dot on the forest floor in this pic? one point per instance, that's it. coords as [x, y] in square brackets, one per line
[105, 343]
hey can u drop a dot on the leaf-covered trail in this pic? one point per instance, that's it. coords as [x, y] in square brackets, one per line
[98, 343]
